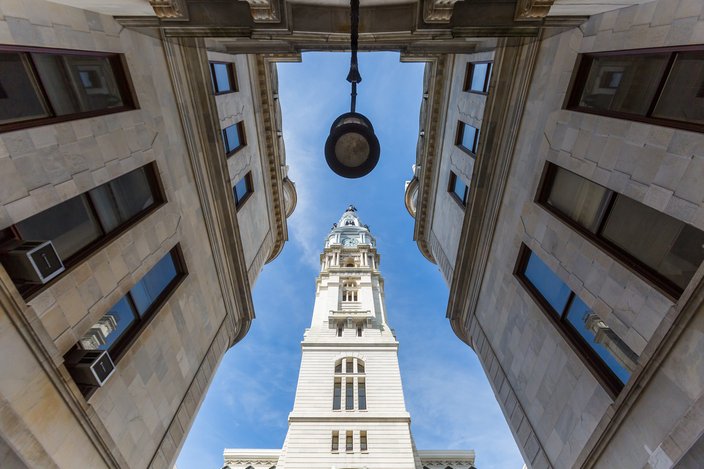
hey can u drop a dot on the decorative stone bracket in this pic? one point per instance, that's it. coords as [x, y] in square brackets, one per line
[532, 10]
[170, 9]
[438, 11]
[264, 11]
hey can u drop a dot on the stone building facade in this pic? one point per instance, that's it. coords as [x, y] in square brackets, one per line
[215, 197]
[587, 317]
[349, 409]
[112, 147]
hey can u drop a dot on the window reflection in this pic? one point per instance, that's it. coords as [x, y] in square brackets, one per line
[581, 325]
[127, 316]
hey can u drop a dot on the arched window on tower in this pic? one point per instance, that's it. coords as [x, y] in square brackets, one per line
[349, 381]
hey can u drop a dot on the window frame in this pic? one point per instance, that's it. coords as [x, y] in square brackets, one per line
[232, 77]
[460, 134]
[469, 74]
[349, 441]
[363, 441]
[604, 375]
[30, 291]
[135, 330]
[580, 74]
[250, 190]
[642, 270]
[335, 443]
[120, 70]
[451, 189]
[240, 133]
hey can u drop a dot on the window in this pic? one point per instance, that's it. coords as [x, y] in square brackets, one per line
[339, 331]
[467, 137]
[458, 189]
[361, 395]
[224, 77]
[662, 86]
[335, 441]
[359, 330]
[363, 441]
[477, 77]
[243, 189]
[346, 367]
[348, 442]
[349, 291]
[233, 137]
[349, 394]
[662, 249]
[43, 86]
[337, 394]
[604, 352]
[83, 224]
[127, 318]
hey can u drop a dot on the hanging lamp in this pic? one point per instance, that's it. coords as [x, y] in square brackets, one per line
[352, 149]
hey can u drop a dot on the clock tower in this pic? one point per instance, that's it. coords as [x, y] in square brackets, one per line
[349, 411]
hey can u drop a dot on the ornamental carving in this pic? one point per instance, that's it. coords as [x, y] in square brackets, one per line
[264, 11]
[169, 9]
[532, 9]
[438, 11]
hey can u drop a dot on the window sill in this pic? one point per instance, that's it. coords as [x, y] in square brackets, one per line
[220, 93]
[459, 202]
[467, 150]
[483, 93]
[230, 153]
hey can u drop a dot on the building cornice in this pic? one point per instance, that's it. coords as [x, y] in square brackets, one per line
[430, 145]
[273, 157]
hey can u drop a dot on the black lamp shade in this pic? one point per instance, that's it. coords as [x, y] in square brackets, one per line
[352, 150]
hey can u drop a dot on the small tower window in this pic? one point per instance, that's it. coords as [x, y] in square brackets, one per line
[349, 291]
[335, 441]
[362, 394]
[363, 441]
[349, 394]
[359, 331]
[337, 395]
[348, 442]
[339, 330]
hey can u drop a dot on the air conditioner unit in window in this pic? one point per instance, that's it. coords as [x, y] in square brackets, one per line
[33, 262]
[90, 367]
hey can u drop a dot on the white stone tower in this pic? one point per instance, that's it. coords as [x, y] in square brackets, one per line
[349, 411]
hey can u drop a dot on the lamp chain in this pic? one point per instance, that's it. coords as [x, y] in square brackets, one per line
[353, 76]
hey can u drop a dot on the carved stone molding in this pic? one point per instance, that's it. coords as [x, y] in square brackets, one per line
[532, 10]
[438, 11]
[264, 11]
[435, 97]
[170, 9]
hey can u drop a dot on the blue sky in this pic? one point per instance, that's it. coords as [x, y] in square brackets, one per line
[447, 394]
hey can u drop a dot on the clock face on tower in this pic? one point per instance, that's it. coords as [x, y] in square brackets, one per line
[350, 242]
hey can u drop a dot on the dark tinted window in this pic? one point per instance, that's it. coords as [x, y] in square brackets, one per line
[661, 86]
[40, 87]
[665, 249]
